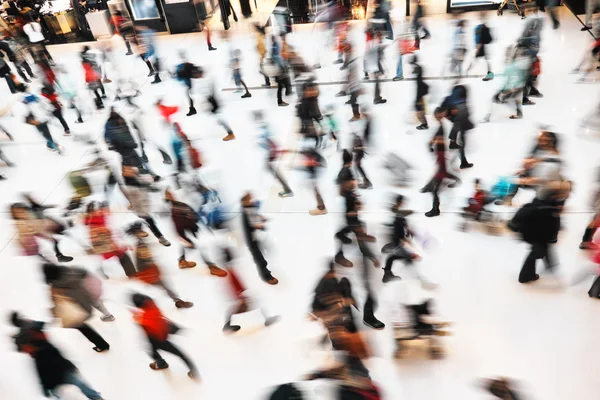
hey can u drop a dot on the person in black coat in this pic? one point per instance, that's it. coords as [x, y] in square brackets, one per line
[5, 70]
[52, 368]
[539, 223]
[458, 113]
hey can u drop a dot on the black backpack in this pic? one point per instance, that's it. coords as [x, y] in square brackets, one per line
[286, 392]
[486, 35]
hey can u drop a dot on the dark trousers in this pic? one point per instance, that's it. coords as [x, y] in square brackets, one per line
[169, 347]
[23, 67]
[399, 253]
[278, 176]
[359, 168]
[93, 336]
[595, 289]
[282, 83]
[152, 225]
[354, 103]
[259, 259]
[539, 250]
[45, 131]
[59, 116]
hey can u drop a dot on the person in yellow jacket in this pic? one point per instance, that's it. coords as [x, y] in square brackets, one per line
[262, 50]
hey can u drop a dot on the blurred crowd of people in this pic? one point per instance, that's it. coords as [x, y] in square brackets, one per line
[195, 206]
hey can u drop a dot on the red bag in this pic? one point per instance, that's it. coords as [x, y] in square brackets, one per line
[195, 158]
[406, 46]
[536, 67]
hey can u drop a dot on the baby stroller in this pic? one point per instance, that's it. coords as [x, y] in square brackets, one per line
[512, 5]
[476, 211]
[399, 168]
[422, 326]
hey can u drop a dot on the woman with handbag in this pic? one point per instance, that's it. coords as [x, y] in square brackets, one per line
[74, 293]
[157, 329]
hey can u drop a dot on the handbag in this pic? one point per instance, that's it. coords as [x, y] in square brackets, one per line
[69, 312]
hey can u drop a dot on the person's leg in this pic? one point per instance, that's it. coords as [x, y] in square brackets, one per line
[45, 131]
[354, 104]
[279, 91]
[590, 6]
[25, 65]
[259, 260]
[399, 67]
[159, 362]
[11, 83]
[21, 72]
[106, 315]
[59, 115]
[94, 337]
[75, 379]
[547, 256]
[527, 273]
[127, 264]
[365, 181]
[277, 175]
[594, 291]
[171, 348]
[224, 125]
[152, 225]
[150, 67]
[435, 208]
[320, 202]
[172, 295]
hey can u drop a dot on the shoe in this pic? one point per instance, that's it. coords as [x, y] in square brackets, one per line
[272, 320]
[536, 94]
[156, 80]
[338, 62]
[379, 101]
[318, 211]
[531, 280]
[366, 185]
[246, 95]
[67, 133]
[63, 259]
[107, 318]
[211, 48]
[151, 73]
[192, 111]
[453, 184]
[428, 36]
[282, 104]
[266, 85]
[555, 25]
[518, 115]
[216, 271]
[422, 127]
[388, 276]
[162, 240]
[432, 213]
[488, 77]
[453, 145]
[286, 193]
[398, 78]
[271, 280]
[129, 53]
[355, 118]
[343, 261]
[528, 103]
[155, 366]
[343, 239]
[588, 246]
[586, 28]
[230, 328]
[106, 80]
[183, 264]
[183, 304]
[194, 375]
[466, 165]
[373, 323]
[229, 137]
[79, 121]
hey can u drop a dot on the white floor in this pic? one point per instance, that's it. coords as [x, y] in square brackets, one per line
[544, 335]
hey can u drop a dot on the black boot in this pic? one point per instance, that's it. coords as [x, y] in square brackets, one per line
[388, 276]
[63, 259]
[368, 316]
[191, 112]
[230, 328]
[434, 212]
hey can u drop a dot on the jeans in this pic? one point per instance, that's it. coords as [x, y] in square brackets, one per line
[93, 336]
[399, 70]
[259, 260]
[75, 379]
[538, 250]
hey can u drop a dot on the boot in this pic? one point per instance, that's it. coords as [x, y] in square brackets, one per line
[271, 280]
[216, 271]
[368, 316]
[156, 79]
[466, 165]
[156, 366]
[191, 112]
[318, 211]
[230, 136]
[63, 259]
[343, 239]
[246, 95]
[272, 320]
[379, 100]
[211, 48]
[230, 328]
[422, 127]
[183, 304]
[343, 261]
[162, 240]
[183, 264]
[388, 276]
[366, 184]
[434, 212]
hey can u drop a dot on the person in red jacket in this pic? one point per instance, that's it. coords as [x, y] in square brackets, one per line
[157, 329]
[476, 202]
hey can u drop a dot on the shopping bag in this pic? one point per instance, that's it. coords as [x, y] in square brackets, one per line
[69, 312]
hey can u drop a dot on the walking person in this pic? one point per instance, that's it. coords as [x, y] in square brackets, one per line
[93, 76]
[359, 150]
[50, 93]
[252, 224]
[147, 50]
[422, 91]
[40, 110]
[459, 48]
[483, 37]
[158, 330]
[374, 65]
[417, 24]
[5, 71]
[273, 153]
[186, 222]
[538, 223]
[124, 27]
[237, 72]
[591, 6]
[147, 269]
[314, 162]
[52, 368]
[34, 33]
[261, 37]
[73, 288]
[21, 64]
[457, 111]
[438, 146]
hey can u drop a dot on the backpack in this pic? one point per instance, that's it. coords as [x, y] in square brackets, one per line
[286, 392]
[485, 35]
[212, 213]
